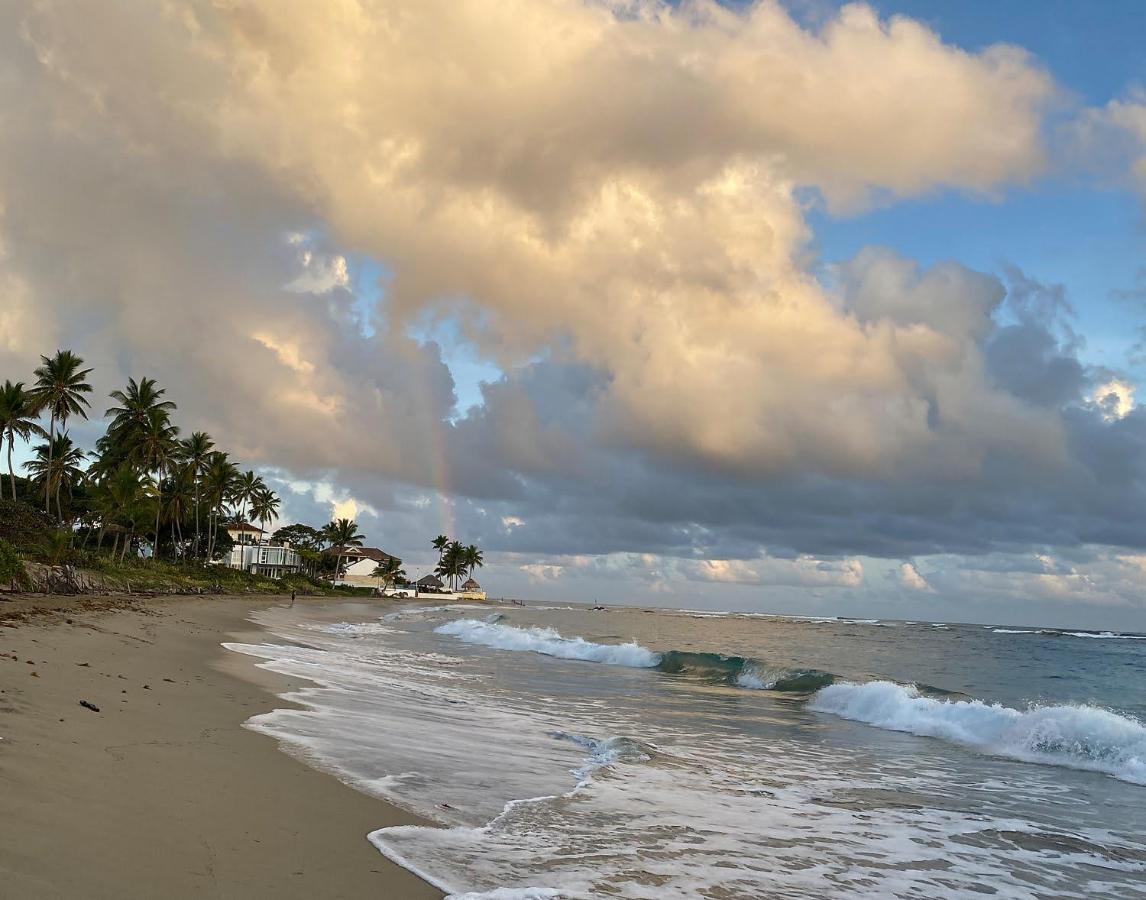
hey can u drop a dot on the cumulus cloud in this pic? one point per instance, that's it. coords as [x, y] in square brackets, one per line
[611, 199]
[1112, 138]
[614, 175]
[803, 571]
[910, 578]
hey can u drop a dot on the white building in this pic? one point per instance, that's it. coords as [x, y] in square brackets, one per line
[358, 565]
[274, 560]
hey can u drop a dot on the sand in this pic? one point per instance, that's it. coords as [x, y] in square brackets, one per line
[161, 793]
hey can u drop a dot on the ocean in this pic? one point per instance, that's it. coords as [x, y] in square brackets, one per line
[572, 752]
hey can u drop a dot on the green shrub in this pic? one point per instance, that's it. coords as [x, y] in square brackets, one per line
[11, 566]
[24, 526]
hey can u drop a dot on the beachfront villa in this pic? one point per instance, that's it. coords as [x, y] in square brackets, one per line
[265, 558]
[358, 565]
[253, 554]
[244, 533]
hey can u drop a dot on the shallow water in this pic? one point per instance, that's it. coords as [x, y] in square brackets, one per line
[637, 753]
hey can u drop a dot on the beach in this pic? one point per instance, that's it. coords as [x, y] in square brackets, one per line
[162, 792]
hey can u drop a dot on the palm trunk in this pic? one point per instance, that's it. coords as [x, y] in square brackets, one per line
[11, 471]
[196, 515]
[47, 480]
[158, 510]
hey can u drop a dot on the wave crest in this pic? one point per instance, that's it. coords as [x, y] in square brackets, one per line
[548, 642]
[1078, 737]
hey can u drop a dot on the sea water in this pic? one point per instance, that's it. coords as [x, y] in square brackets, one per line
[570, 752]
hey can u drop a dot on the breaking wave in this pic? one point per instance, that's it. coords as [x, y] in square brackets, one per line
[741, 671]
[711, 668]
[1078, 737]
[549, 642]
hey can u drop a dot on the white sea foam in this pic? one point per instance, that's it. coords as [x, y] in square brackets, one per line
[1104, 635]
[548, 642]
[357, 629]
[1012, 631]
[542, 803]
[1078, 737]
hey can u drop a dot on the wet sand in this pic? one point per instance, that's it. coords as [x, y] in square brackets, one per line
[162, 793]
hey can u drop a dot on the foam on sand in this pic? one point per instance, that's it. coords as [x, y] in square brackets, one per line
[1078, 737]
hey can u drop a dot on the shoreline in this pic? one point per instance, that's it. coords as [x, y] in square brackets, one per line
[162, 792]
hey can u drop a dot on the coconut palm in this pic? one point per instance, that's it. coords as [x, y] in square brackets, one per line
[264, 508]
[194, 451]
[453, 562]
[17, 420]
[246, 487]
[178, 496]
[440, 543]
[155, 449]
[342, 533]
[60, 389]
[56, 465]
[125, 504]
[390, 571]
[218, 488]
[135, 402]
[472, 559]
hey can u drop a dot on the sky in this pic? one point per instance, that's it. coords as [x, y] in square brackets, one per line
[793, 307]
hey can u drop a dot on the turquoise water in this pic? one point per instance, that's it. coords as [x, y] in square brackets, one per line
[641, 753]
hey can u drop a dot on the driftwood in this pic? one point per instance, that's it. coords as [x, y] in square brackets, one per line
[58, 580]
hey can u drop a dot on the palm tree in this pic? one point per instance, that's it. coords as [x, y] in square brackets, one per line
[195, 451]
[177, 496]
[218, 486]
[57, 465]
[452, 564]
[472, 559]
[343, 533]
[246, 487]
[140, 410]
[125, 502]
[440, 543]
[389, 570]
[136, 402]
[264, 508]
[17, 420]
[60, 388]
[156, 447]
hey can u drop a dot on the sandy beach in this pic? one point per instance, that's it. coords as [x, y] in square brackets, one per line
[162, 792]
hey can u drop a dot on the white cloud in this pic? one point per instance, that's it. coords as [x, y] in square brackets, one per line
[1115, 398]
[804, 571]
[910, 578]
[543, 572]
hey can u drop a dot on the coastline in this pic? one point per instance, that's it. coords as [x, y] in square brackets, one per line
[162, 792]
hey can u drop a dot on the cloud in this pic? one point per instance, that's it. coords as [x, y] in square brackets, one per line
[611, 200]
[1115, 397]
[1112, 139]
[540, 572]
[910, 578]
[802, 572]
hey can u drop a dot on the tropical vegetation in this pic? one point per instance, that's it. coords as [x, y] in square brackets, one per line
[145, 496]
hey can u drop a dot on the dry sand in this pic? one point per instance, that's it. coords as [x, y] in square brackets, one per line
[162, 793]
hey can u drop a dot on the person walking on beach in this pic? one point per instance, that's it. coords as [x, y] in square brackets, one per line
[292, 598]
